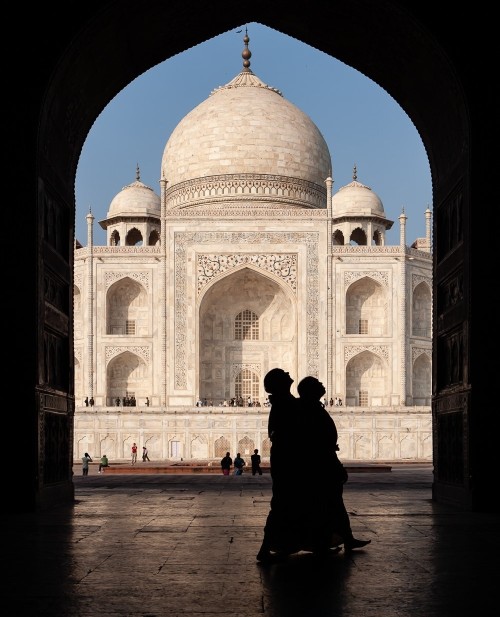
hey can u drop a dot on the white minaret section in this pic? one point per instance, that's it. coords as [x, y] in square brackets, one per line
[428, 217]
[90, 305]
[402, 323]
[163, 292]
[402, 229]
[330, 351]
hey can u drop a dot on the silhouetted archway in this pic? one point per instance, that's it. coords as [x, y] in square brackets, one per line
[85, 58]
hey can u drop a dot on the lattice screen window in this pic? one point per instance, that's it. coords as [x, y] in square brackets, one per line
[246, 384]
[363, 398]
[246, 326]
[363, 326]
[130, 327]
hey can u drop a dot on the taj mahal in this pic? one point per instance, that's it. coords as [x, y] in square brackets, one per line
[247, 259]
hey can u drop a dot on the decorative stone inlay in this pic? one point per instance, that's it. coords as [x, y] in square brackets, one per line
[78, 354]
[55, 403]
[353, 350]
[143, 351]
[237, 368]
[78, 280]
[416, 279]
[211, 266]
[263, 188]
[381, 277]
[451, 291]
[124, 250]
[55, 292]
[456, 401]
[418, 351]
[141, 277]
[349, 250]
[182, 240]
[248, 347]
[228, 211]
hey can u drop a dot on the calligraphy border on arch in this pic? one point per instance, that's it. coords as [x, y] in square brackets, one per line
[282, 265]
[418, 351]
[382, 351]
[182, 240]
[355, 275]
[418, 278]
[143, 351]
[142, 277]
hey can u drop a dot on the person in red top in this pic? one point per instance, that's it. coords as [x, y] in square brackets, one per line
[134, 453]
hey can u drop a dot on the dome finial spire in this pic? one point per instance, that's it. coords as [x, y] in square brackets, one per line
[246, 54]
[354, 173]
[137, 173]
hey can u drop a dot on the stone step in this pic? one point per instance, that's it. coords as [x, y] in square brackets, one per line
[148, 468]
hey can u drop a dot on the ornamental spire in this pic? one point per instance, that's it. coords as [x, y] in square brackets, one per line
[246, 54]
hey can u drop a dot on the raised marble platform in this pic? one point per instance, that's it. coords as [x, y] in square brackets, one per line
[180, 468]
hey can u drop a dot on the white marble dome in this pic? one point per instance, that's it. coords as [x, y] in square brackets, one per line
[356, 199]
[246, 141]
[136, 199]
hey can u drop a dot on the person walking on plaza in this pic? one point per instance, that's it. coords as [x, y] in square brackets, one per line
[145, 456]
[326, 512]
[226, 463]
[85, 464]
[307, 509]
[134, 453]
[103, 463]
[280, 530]
[239, 463]
[255, 459]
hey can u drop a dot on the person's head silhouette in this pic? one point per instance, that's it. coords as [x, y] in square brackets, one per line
[311, 388]
[277, 381]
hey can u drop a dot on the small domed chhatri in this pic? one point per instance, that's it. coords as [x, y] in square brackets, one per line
[358, 215]
[135, 199]
[356, 199]
[251, 263]
[133, 215]
[246, 138]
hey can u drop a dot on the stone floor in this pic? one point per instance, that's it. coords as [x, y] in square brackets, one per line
[154, 545]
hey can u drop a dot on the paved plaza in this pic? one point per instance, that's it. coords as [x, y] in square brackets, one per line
[157, 545]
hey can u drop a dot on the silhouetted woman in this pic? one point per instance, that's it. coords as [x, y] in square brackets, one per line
[326, 515]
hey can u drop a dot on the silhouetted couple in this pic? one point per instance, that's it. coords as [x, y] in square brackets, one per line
[307, 506]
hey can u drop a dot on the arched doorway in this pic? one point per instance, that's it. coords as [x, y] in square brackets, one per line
[246, 325]
[91, 57]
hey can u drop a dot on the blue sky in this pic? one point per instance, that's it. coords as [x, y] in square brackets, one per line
[360, 122]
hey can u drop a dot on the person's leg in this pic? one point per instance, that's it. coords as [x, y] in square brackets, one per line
[350, 542]
[264, 555]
